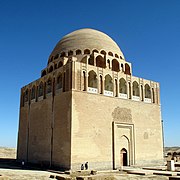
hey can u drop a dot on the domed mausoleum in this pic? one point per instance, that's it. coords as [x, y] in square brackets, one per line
[88, 107]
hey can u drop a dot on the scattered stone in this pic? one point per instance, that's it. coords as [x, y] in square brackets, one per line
[52, 176]
[93, 172]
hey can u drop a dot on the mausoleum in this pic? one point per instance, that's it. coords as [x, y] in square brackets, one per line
[87, 106]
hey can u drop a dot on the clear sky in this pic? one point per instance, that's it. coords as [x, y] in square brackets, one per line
[148, 33]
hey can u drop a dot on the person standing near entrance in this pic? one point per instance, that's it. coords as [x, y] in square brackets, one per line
[86, 165]
[82, 167]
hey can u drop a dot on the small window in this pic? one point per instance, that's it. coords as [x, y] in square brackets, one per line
[91, 61]
[51, 59]
[26, 95]
[103, 52]
[49, 86]
[70, 53]
[60, 64]
[122, 86]
[122, 67]
[43, 73]
[135, 88]
[33, 93]
[40, 89]
[59, 81]
[115, 65]
[100, 62]
[108, 84]
[147, 91]
[92, 79]
[56, 56]
[86, 51]
[78, 52]
[110, 53]
[116, 56]
[95, 51]
[127, 69]
[50, 69]
[108, 61]
[63, 54]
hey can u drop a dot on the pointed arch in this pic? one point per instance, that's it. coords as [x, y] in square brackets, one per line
[95, 51]
[147, 91]
[49, 86]
[51, 59]
[43, 73]
[91, 61]
[56, 56]
[33, 90]
[110, 53]
[127, 69]
[115, 65]
[59, 81]
[26, 95]
[100, 62]
[84, 60]
[78, 52]
[63, 54]
[40, 89]
[92, 79]
[60, 64]
[108, 83]
[50, 69]
[86, 51]
[103, 52]
[122, 86]
[116, 56]
[70, 53]
[135, 88]
[124, 151]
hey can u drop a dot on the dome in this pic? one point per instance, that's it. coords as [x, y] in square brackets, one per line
[87, 39]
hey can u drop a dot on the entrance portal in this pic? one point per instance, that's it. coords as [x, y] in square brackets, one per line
[123, 145]
[124, 157]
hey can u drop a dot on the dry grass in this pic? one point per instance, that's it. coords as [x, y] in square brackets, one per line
[7, 152]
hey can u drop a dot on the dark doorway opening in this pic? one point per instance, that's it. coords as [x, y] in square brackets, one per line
[124, 157]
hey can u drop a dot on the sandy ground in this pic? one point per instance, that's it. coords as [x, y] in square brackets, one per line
[17, 174]
[8, 170]
[43, 175]
[7, 152]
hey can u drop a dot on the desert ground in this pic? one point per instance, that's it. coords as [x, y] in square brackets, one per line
[10, 169]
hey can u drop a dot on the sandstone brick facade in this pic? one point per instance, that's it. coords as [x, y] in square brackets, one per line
[88, 107]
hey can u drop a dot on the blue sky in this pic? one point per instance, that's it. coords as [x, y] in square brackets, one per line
[148, 33]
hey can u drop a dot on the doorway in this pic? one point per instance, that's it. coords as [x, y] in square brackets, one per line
[123, 157]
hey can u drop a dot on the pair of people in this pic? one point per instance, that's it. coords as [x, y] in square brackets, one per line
[84, 166]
